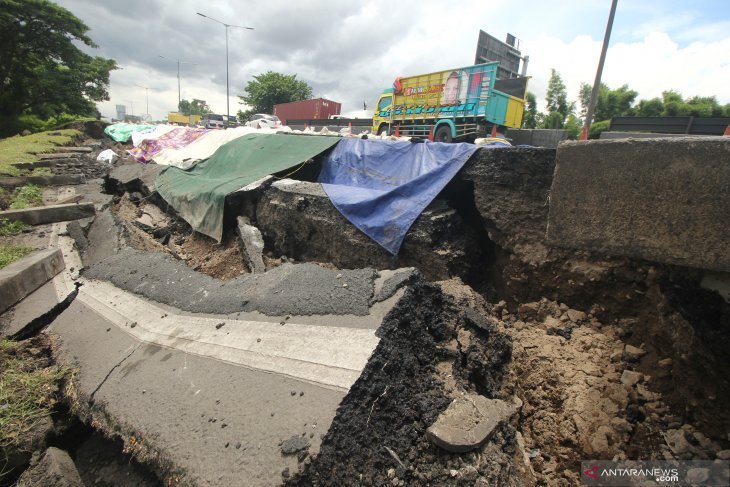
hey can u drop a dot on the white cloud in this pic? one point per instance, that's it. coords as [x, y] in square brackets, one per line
[350, 51]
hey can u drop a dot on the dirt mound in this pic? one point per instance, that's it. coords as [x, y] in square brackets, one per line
[379, 434]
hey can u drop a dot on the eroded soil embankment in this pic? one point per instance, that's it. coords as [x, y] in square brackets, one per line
[429, 353]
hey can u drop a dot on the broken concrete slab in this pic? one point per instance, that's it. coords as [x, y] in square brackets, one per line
[303, 289]
[29, 308]
[56, 469]
[75, 198]
[60, 155]
[468, 422]
[21, 278]
[663, 200]
[252, 245]
[61, 180]
[228, 419]
[50, 214]
[297, 219]
[134, 177]
[73, 149]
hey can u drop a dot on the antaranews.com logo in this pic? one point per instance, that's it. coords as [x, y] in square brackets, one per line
[661, 473]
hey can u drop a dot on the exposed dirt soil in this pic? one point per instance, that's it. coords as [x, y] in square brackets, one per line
[175, 237]
[420, 364]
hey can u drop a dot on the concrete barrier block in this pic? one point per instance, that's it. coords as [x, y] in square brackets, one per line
[61, 180]
[21, 278]
[664, 200]
[50, 214]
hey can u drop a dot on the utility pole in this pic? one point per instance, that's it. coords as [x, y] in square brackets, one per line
[599, 72]
[147, 95]
[179, 98]
[228, 108]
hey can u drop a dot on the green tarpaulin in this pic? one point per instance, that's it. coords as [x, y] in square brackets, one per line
[121, 132]
[198, 194]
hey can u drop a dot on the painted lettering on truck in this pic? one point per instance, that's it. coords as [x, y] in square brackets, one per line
[458, 103]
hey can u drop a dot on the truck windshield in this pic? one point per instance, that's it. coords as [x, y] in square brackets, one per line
[385, 103]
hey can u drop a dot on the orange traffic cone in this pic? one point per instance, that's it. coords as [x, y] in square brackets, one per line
[349, 126]
[397, 130]
[430, 134]
[584, 133]
[727, 130]
[494, 131]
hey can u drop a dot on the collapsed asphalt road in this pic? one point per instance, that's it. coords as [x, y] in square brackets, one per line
[310, 375]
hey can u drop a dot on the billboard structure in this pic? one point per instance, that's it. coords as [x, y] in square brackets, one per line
[508, 55]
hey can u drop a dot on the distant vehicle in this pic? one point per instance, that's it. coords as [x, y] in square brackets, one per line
[232, 121]
[314, 109]
[178, 118]
[213, 121]
[461, 103]
[264, 121]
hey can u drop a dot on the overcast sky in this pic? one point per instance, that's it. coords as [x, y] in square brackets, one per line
[349, 51]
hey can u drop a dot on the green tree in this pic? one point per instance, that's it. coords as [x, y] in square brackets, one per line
[649, 108]
[573, 126]
[610, 103]
[42, 71]
[556, 98]
[529, 120]
[269, 89]
[194, 107]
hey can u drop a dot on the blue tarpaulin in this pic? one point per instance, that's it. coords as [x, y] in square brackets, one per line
[382, 186]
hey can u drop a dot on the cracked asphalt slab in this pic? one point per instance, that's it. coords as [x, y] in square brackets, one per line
[205, 374]
[301, 289]
[220, 424]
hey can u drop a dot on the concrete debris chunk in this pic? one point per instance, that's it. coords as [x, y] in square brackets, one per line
[56, 469]
[468, 422]
[629, 377]
[632, 353]
[294, 444]
[576, 316]
[252, 245]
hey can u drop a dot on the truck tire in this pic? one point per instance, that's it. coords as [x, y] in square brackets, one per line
[383, 129]
[443, 134]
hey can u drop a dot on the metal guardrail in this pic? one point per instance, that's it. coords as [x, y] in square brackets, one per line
[671, 125]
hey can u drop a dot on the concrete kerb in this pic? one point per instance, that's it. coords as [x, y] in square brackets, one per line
[61, 180]
[21, 278]
[50, 214]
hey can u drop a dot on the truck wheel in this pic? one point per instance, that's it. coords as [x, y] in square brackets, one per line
[443, 134]
[383, 130]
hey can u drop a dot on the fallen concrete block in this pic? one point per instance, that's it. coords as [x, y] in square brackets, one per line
[298, 219]
[60, 155]
[663, 200]
[21, 278]
[61, 180]
[56, 469]
[50, 214]
[73, 149]
[252, 245]
[134, 177]
[468, 422]
[74, 198]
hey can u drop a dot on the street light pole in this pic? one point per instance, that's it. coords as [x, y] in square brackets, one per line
[147, 95]
[599, 72]
[228, 108]
[179, 98]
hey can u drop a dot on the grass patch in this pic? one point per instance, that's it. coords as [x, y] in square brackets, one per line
[27, 393]
[8, 228]
[11, 253]
[22, 148]
[27, 196]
